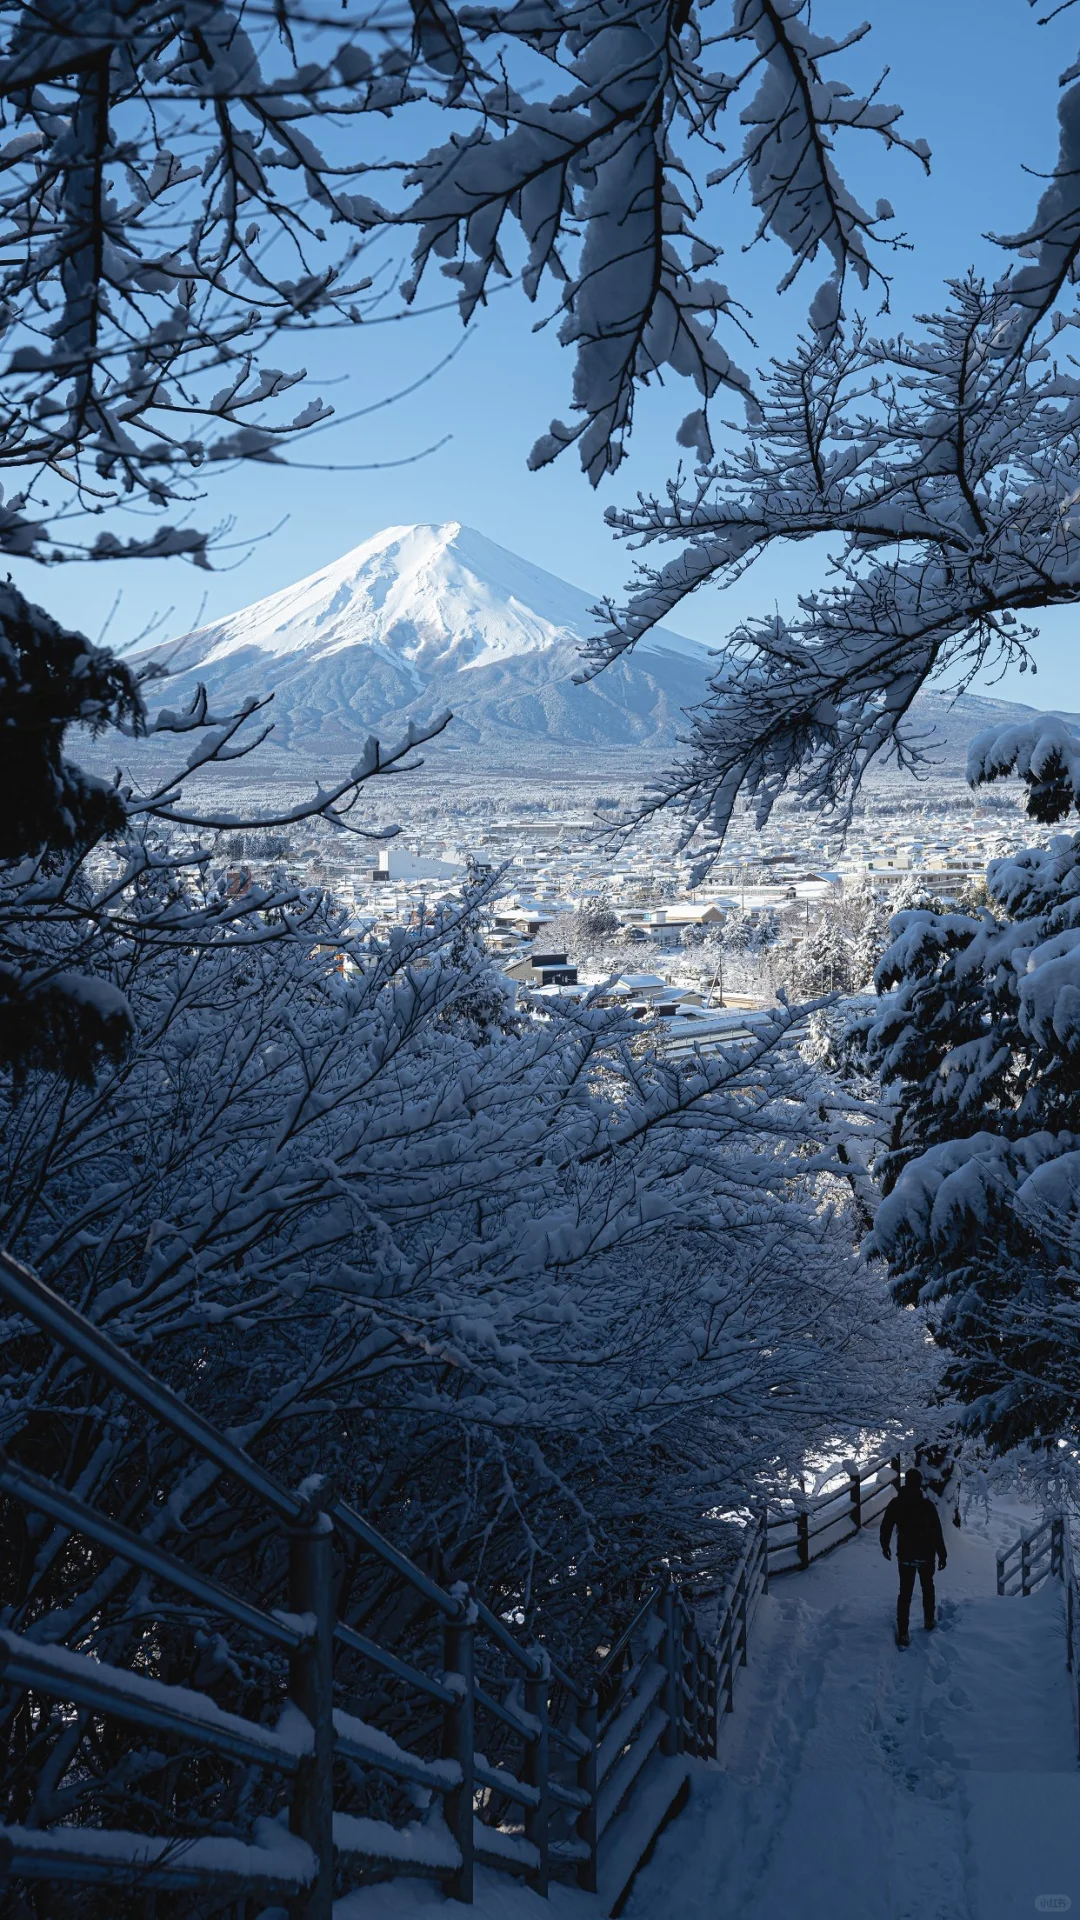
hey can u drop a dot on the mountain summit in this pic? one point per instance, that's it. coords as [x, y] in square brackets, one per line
[424, 617]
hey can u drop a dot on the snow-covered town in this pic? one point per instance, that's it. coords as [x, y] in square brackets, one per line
[539, 960]
[571, 904]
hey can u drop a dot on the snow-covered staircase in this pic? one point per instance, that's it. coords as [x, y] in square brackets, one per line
[860, 1782]
[851, 1780]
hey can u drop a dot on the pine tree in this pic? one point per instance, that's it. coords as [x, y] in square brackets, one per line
[978, 1042]
[867, 916]
[823, 959]
[52, 813]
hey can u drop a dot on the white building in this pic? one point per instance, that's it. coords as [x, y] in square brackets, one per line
[397, 863]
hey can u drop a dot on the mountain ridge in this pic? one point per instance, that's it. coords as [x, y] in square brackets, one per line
[424, 617]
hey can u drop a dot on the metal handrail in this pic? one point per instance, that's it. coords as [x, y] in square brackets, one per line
[307, 1633]
[105, 1689]
[71, 1330]
[1041, 1550]
[647, 1607]
[530, 1662]
[826, 1495]
[810, 1519]
[1027, 1540]
[20, 1483]
[391, 1663]
[562, 1820]
[451, 1606]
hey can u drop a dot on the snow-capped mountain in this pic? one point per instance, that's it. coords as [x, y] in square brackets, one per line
[424, 617]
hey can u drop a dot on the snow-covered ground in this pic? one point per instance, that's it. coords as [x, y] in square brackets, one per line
[859, 1782]
[856, 1781]
[497, 1897]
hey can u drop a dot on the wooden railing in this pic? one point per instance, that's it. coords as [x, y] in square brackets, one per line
[1046, 1553]
[1069, 1574]
[855, 1496]
[582, 1748]
[1033, 1558]
[533, 1772]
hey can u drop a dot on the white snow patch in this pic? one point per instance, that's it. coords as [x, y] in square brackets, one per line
[497, 1897]
[276, 1851]
[431, 599]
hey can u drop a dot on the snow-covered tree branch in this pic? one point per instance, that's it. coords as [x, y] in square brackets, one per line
[945, 466]
[543, 1304]
[614, 183]
[182, 185]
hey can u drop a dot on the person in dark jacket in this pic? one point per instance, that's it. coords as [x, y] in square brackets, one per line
[919, 1542]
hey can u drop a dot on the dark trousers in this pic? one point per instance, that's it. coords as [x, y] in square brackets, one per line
[908, 1570]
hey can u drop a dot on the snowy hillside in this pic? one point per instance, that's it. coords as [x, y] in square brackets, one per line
[424, 617]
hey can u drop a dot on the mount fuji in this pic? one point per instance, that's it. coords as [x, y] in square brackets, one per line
[421, 618]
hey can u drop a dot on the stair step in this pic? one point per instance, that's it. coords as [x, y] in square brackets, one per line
[656, 1797]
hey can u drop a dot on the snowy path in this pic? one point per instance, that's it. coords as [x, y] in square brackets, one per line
[857, 1782]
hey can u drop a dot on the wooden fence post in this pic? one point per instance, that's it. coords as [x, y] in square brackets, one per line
[688, 1666]
[743, 1604]
[671, 1738]
[458, 1637]
[855, 1485]
[764, 1549]
[1001, 1573]
[729, 1658]
[535, 1774]
[585, 1826]
[802, 1537]
[1025, 1564]
[706, 1736]
[311, 1687]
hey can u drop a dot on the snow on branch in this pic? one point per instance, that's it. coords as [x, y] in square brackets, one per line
[944, 468]
[59, 825]
[186, 181]
[1044, 753]
[407, 1234]
[604, 181]
[179, 187]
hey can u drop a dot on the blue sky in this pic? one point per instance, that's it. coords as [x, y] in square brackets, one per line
[977, 78]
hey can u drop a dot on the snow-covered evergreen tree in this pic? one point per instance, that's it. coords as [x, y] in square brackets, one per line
[867, 918]
[822, 960]
[978, 1040]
